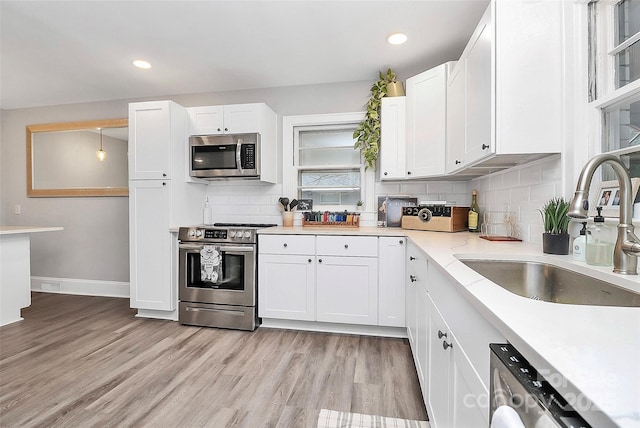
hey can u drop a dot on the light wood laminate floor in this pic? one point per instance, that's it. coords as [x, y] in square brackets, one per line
[78, 361]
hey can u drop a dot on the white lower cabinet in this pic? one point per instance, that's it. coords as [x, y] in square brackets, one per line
[151, 267]
[450, 345]
[391, 274]
[290, 293]
[332, 278]
[347, 290]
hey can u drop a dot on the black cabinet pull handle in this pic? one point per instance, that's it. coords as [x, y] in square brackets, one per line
[386, 173]
[413, 278]
[319, 260]
[441, 334]
[285, 245]
[164, 184]
[219, 129]
[309, 260]
[401, 242]
[412, 258]
[485, 146]
[446, 345]
[408, 172]
[457, 162]
[226, 129]
[346, 245]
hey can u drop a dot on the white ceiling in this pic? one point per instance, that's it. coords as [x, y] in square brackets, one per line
[60, 52]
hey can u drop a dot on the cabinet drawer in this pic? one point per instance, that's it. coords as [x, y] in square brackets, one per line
[286, 244]
[357, 246]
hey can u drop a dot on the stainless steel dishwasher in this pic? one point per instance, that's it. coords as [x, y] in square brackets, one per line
[518, 385]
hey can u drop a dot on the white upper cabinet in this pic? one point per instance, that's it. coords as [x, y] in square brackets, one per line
[229, 119]
[426, 122]
[150, 139]
[505, 93]
[393, 138]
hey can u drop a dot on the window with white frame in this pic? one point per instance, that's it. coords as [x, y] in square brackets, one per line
[614, 78]
[321, 163]
[329, 169]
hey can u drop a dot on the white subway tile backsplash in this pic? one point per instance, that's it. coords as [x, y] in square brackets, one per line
[440, 187]
[531, 175]
[413, 188]
[525, 189]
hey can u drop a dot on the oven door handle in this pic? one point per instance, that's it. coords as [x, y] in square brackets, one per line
[198, 247]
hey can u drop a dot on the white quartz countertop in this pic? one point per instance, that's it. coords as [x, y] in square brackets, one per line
[595, 348]
[14, 230]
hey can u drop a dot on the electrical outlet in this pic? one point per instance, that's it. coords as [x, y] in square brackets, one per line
[18, 209]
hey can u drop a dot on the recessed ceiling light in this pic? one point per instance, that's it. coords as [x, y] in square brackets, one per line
[141, 64]
[397, 38]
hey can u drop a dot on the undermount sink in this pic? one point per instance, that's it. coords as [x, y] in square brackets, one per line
[541, 281]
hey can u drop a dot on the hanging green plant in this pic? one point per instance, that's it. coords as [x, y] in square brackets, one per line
[367, 134]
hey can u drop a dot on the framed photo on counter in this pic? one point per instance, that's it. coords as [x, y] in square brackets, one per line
[608, 197]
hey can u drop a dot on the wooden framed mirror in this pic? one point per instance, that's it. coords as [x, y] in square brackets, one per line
[62, 159]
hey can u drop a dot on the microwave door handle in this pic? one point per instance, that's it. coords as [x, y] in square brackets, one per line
[238, 150]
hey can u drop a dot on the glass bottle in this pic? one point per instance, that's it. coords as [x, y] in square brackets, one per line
[474, 213]
[599, 249]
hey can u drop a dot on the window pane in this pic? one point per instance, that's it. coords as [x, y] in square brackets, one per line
[622, 127]
[325, 179]
[328, 147]
[627, 25]
[628, 19]
[628, 65]
[330, 187]
[349, 197]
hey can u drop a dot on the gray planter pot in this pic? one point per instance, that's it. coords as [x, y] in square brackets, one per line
[555, 243]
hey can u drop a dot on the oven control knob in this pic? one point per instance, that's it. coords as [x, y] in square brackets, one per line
[199, 233]
[192, 233]
[232, 234]
[247, 234]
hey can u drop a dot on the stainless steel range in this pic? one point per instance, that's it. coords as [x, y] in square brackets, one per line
[218, 275]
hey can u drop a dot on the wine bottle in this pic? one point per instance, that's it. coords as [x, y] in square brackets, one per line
[474, 213]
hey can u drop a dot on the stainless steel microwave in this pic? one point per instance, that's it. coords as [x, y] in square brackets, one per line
[224, 156]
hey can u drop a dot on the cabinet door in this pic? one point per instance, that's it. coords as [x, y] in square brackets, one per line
[393, 138]
[456, 130]
[478, 87]
[426, 122]
[240, 118]
[468, 406]
[440, 361]
[391, 277]
[347, 290]
[206, 120]
[149, 140]
[150, 246]
[422, 339]
[286, 286]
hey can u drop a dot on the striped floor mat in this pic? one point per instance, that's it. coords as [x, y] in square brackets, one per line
[336, 419]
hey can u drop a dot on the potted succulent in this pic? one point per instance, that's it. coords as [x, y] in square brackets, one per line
[555, 239]
[359, 205]
[367, 134]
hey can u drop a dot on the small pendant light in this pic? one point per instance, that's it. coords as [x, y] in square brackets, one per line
[102, 155]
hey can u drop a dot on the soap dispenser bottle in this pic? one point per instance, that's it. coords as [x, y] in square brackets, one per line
[207, 216]
[600, 246]
[580, 243]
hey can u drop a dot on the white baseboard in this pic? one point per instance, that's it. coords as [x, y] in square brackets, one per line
[326, 327]
[154, 314]
[84, 287]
